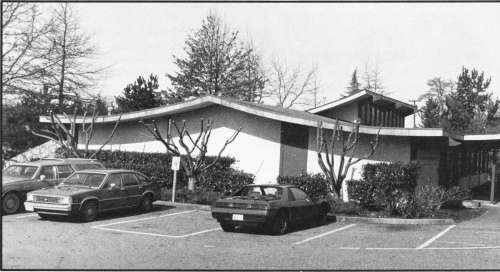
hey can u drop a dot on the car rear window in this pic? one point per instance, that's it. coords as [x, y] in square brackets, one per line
[63, 171]
[129, 180]
[84, 166]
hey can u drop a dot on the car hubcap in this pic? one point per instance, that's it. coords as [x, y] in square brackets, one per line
[10, 203]
[91, 211]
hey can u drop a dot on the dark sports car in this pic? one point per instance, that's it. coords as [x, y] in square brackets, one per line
[274, 208]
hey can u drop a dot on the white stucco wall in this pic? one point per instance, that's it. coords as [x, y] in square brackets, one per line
[389, 149]
[256, 148]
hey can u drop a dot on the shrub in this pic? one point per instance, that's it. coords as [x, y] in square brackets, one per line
[315, 185]
[197, 196]
[457, 193]
[394, 181]
[349, 208]
[365, 193]
[220, 178]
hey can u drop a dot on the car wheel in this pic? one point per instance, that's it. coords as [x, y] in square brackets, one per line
[227, 227]
[88, 212]
[11, 203]
[280, 224]
[147, 203]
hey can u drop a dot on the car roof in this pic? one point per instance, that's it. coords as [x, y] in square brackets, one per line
[56, 161]
[107, 171]
[275, 185]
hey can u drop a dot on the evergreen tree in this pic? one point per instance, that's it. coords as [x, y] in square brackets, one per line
[431, 114]
[354, 85]
[468, 101]
[140, 95]
[217, 63]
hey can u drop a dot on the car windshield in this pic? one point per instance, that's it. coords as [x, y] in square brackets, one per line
[23, 171]
[260, 192]
[84, 179]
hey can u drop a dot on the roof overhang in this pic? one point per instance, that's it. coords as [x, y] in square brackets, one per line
[308, 119]
[377, 99]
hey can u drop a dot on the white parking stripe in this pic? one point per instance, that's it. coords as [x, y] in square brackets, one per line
[27, 215]
[142, 219]
[157, 234]
[324, 234]
[428, 242]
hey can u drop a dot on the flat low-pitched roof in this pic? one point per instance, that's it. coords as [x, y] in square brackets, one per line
[262, 110]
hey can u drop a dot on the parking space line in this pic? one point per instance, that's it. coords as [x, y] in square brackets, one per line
[27, 215]
[142, 219]
[324, 234]
[158, 234]
[462, 248]
[461, 243]
[428, 242]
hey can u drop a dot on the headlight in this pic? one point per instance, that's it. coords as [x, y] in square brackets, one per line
[66, 200]
[29, 197]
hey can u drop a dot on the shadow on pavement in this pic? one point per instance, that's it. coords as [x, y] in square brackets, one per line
[110, 215]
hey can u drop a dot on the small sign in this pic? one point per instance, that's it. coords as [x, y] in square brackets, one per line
[176, 163]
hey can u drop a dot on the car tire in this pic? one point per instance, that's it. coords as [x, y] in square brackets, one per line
[227, 227]
[280, 224]
[88, 212]
[147, 203]
[11, 203]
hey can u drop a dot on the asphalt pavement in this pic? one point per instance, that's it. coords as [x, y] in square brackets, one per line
[186, 238]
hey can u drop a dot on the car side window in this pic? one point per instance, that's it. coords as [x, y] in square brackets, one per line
[114, 179]
[63, 171]
[299, 194]
[142, 179]
[48, 171]
[129, 180]
[86, 166]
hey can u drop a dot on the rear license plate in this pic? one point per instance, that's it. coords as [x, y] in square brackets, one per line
[237, 217]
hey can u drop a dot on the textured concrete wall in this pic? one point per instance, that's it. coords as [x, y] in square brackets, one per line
[390, 149]
[257, 147]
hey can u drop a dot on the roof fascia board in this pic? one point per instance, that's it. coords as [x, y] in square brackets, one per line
[338, 102]
[204, 101]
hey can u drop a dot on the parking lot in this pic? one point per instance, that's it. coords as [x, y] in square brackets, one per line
[188, 238]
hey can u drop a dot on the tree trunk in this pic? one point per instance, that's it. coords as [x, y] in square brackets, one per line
[191, 183]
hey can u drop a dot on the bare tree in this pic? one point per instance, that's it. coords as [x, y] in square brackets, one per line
[347, 147]
[193, 165]
[23, 50]
[67, 136]
[373, 79]
[74, 71]
[291, 88]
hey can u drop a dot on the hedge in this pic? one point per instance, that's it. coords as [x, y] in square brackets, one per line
[220, 178]
[315, 185]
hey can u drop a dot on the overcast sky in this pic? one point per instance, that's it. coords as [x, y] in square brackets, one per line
[411, 43]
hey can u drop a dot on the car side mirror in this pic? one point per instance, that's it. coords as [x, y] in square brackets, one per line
[43, 178]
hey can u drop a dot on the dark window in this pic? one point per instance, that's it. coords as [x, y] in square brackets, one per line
[114, 179]
[48, 171]
[63, 171]
[129, 180]
[298, 194]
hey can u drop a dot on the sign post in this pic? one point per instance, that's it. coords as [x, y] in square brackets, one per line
[492, 194]
[176, 161]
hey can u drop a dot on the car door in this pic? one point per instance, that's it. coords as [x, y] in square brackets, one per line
[302, 204]
[110, 196]
[132, 190]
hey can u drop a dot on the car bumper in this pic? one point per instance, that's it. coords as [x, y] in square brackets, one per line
[49, 208]
[250, 217]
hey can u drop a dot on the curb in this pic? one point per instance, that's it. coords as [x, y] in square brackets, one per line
[339, 218]
[396, 221]
[184, 205]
